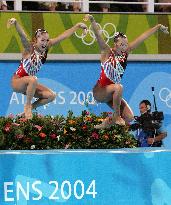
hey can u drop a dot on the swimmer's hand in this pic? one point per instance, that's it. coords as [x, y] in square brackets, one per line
[82, 26]
[11, 22]
[88, 17]
[164, 29]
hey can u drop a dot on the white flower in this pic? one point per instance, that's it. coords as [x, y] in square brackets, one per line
[33, 146]
[58, 137]
[72, 129]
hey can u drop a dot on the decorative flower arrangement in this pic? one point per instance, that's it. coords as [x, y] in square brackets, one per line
[71, 132]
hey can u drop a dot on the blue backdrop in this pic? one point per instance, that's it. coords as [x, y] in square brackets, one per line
[73, 83]
[85, 177]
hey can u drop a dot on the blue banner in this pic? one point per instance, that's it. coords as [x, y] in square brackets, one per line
[85, 177]
[73, 83]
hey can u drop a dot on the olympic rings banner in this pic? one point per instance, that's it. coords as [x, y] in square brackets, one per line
[55, 23]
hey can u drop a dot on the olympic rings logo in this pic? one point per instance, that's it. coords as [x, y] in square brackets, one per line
[105, 31]
[165, 96]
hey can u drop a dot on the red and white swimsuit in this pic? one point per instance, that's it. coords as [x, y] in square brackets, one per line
[31, 65]
[112, 70]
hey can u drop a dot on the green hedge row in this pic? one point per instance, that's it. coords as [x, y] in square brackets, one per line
[71, 132]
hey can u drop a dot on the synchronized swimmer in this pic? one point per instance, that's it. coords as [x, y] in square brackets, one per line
[34, 55]
[108, 88]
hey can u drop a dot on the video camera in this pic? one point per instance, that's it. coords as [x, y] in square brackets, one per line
[148, 121]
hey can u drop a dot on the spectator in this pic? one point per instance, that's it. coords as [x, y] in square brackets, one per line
[129, 7]
[58, 6]
[30, 6]
[164, 8]
[3, 5]
[76, 6]
[105, 7]
[144, 6]
[119, 7]
[61, 6]
[51, 6]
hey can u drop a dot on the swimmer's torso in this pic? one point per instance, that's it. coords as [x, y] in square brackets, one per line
[112, 69]
[31, 65]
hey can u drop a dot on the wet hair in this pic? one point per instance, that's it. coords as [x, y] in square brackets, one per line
[39, 31]
[118, 35]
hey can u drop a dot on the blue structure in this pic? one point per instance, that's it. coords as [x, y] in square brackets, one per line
[99, 177]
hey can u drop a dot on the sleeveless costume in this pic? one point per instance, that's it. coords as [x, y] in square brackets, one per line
[31, 65]
[112, 69]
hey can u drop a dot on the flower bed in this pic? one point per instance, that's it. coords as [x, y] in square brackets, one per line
[71, 132]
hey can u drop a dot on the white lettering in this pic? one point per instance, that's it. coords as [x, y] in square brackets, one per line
[74, 99]
[37, 190]
[76, 184]
[14, 98]
[66, 195]
[54, 101]
[21, 189]
[23, 99]
[61, 97]
[6, 191]
[52, 196]
[81, 98]
[57, 191]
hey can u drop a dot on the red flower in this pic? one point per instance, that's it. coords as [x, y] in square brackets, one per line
[87, 113]
[109, 113]
[88, 118]
[53, 136]
[95, 135]
[106, 137]
[23, 120]
[11, 116]
[42, 135]
[84, 127]
[20, 136]
[7, 127]
[38, 127]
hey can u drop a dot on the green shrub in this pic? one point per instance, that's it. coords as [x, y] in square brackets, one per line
[71, 132]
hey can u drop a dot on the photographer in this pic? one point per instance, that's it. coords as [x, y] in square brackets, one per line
[149, 126]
